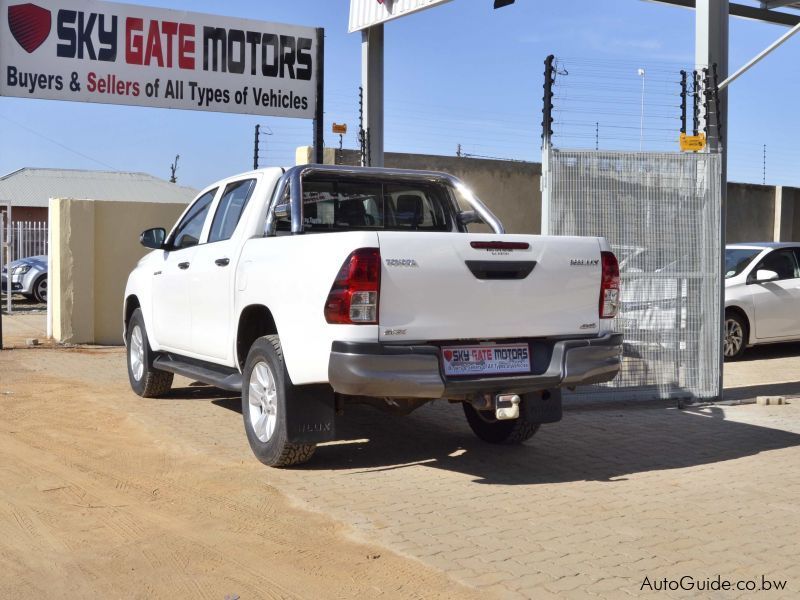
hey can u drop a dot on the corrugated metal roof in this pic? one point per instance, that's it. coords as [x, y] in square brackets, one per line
[364, 13]
[35, 187]
[780, 4]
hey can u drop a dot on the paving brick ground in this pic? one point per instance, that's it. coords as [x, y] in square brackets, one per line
[589, 507]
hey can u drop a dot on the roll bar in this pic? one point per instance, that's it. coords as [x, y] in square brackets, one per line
[293, 178]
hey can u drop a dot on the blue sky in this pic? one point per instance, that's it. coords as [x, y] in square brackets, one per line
[462, 74]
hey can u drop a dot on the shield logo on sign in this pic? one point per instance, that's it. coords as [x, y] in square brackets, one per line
[30, 25]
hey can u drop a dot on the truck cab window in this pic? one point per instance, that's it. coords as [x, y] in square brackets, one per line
[187, 233]
[230, 209]
[339, 205]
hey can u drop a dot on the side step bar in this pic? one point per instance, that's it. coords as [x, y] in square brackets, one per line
[222, 377]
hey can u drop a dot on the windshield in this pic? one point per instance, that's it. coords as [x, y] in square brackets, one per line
[737, 259]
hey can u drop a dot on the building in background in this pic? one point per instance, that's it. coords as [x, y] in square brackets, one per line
[28, 190]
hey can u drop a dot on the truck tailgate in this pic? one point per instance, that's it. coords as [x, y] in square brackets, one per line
[448, 286]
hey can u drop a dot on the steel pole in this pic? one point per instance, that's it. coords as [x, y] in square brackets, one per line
[372, 50]
[8, 275]
[643, 75]
[759, 57]
[8, 259]
[319, 109]
[711, 47]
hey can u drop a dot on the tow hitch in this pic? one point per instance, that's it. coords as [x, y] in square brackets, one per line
[506, 406]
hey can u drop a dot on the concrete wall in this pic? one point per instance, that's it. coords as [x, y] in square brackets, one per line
[94, 245]
[511, 189]
[787, 214]
[750, 213]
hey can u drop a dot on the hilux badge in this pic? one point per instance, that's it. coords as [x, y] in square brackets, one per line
[401, 262]
[584, 262]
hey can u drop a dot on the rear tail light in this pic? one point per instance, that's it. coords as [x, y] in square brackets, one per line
[353, 298]
[609, 286]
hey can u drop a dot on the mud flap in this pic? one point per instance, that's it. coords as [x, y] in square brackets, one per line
[542, 407]
[311, 414]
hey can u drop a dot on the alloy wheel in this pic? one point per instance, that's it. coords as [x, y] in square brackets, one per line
[137, 353]
[734, 338]
[263, 397]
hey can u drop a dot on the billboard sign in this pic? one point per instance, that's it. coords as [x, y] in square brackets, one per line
[365, 13]
[93, 51]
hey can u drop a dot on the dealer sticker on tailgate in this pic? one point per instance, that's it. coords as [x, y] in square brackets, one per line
[486, 360]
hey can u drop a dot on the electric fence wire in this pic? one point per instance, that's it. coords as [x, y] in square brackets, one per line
[597, 103]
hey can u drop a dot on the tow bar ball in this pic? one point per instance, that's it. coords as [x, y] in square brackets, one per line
[506, 406]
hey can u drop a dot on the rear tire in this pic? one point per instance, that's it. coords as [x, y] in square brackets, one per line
[266, 391]
[484, 425]
[145, 380]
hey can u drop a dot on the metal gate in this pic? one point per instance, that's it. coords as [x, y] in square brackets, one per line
[18, 240]
[661, 213]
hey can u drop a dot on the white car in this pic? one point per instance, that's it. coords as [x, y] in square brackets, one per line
[762, 295]
[762, 299]
[319, 286]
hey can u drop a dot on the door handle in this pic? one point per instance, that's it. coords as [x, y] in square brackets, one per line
[183, 265]
[222, 262]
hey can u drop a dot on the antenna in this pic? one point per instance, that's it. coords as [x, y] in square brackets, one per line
[173, 178]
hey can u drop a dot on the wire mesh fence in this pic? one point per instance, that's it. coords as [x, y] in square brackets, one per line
[661, 214]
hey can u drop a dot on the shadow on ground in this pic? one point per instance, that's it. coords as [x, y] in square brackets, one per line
[201, 391]
[21, 304]
[767, 389]
[593, 445]
[596, 445]
[766, 351]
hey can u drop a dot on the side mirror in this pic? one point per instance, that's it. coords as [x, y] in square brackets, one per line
[153, 238]
[465, 217]
[764, 275]
[283, 210]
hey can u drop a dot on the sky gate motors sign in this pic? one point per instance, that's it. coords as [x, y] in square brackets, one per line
[91, 51]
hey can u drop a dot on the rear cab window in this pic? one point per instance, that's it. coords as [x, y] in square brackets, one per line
[345, 205]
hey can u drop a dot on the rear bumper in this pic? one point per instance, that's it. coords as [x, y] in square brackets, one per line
[382, 370]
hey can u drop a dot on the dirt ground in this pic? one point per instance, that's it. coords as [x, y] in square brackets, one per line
[97, 500]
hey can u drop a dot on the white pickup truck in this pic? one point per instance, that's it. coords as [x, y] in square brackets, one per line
[313, 287]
